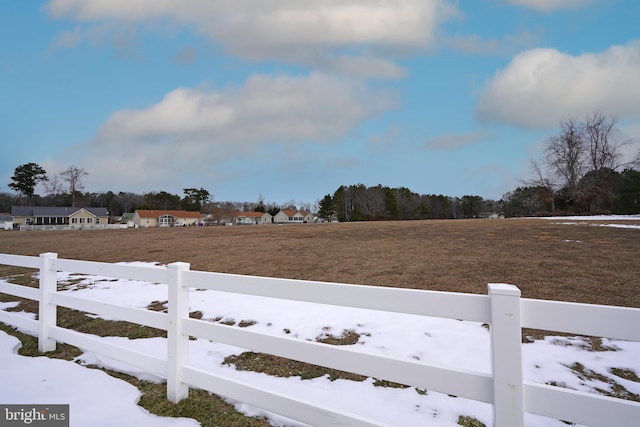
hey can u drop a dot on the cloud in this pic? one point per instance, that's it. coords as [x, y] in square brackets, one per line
[550, 5]
[265, 108]
[123, 39]
[363, 66]
[451, 141]
[540, 87]
[284, 29]
[199, 131]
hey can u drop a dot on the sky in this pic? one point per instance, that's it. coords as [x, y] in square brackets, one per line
[288, 99]
[443, 342]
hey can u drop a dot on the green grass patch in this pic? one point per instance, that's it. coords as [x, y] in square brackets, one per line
[617, 390]
[347, 337]
[209, 409]
[627, 374]
[285, 368]
[30, 346]
[465, 421]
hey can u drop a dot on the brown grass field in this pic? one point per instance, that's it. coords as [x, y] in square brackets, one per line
[545, 259]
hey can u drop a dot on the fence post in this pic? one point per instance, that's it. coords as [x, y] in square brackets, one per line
[47, 311]
[506, 355]
[177, 342]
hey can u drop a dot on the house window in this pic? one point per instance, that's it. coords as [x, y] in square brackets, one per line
[74, 220]
[89, 220]
[97, 220]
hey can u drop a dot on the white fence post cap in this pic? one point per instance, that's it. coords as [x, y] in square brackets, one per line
[503, 289]
[179, 265]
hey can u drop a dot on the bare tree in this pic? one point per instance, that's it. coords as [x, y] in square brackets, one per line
[604, 158]
[73, 176]
[565, 155]
[53, 185]
[128, 200]
[541, 180]
[584, 157]
[604, 149]
[369, 201]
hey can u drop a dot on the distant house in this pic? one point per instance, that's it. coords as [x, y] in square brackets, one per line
[252, 218]
[6, 221]
[292, 216]
[166, 218]
[44, 215]
[126, 219]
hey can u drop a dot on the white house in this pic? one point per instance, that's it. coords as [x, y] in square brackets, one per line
[48, 215]
[6, 221]
[251, 218]
[166, 218]
[291, 216]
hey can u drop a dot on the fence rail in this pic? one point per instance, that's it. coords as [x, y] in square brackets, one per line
[54, 227]
[502, 309]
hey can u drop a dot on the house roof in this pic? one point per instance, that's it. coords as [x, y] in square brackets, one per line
[250, 214]
[54, 211]
[293, 212]
[153, 213]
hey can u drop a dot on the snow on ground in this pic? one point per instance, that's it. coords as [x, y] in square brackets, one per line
[582, 220]
[463, 345]
[95, 398]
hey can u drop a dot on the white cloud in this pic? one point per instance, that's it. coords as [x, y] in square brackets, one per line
[277, 22]
[550, 5]
[196, 131]
[265, 108]
[540, 87]
[284, 29]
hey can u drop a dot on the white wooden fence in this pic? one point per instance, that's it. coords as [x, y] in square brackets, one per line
[54, 227]
[502, 308]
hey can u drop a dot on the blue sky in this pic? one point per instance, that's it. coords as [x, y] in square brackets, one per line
[290, 99]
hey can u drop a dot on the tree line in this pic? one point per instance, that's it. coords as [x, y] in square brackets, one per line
[581, 172]
[362, 203]
[65, 189]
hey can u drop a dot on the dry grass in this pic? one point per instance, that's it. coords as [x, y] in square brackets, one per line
[544, 259]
